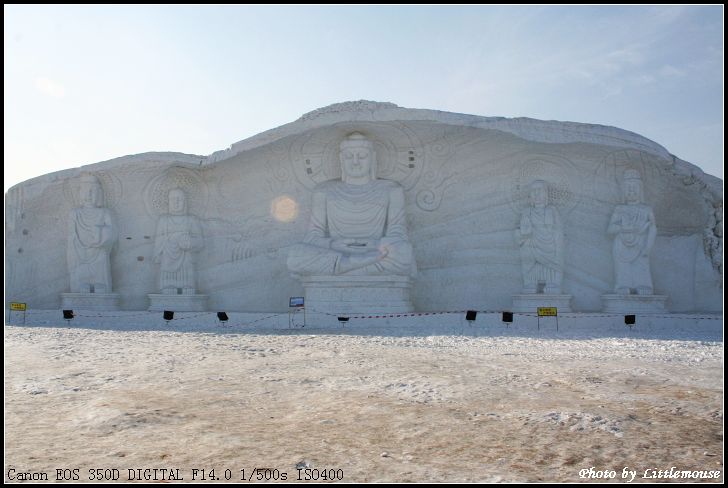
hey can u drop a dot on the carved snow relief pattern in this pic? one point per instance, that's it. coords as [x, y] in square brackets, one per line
[435, 180]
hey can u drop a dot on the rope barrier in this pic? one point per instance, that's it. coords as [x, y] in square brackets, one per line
[524, 314]
[114, 316]
[360, 316]
[255, 321]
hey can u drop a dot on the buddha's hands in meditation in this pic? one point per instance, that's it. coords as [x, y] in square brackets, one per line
[357, 246]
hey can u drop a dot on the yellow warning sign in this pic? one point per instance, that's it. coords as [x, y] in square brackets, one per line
[17, 306]
[547, 312]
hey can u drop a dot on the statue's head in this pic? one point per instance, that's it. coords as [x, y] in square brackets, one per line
[358, 159]
[177, 202]
[91, 192]
[633, 192]
[539, 193]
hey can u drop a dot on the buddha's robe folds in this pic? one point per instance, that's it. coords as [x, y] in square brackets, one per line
[369, 212]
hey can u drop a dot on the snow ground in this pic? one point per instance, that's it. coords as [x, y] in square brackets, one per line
[401, 399]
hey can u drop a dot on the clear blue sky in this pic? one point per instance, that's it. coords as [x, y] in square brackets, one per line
[87, 84]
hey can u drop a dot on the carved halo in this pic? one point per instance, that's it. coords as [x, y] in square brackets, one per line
[608, 180]
[110, 186]
[556, 171]
[315, 155]
[156, 195]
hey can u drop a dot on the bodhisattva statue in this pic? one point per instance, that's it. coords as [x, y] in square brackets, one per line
[357, 224]
[541, 242]
[634, 230]
[178, 239]
[91, 235]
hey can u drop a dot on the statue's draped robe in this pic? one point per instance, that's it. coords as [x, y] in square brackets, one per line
[634, 226]
[344, 211]
[176, 258]
[542, 251]
[90, 238]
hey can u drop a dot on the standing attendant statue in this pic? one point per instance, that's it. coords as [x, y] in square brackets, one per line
[91, 235]
[540, 239]
[177, 241]
[634, 230]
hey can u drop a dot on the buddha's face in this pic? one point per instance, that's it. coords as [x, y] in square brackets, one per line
[356, 162]
[539, 195]
[90, 193]
[176, 202]
[632, 191]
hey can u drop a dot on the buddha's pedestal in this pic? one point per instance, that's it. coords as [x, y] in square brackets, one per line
[531, 302]
[177, 303]
[358, 294]
[90, 301]
[634, 304]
